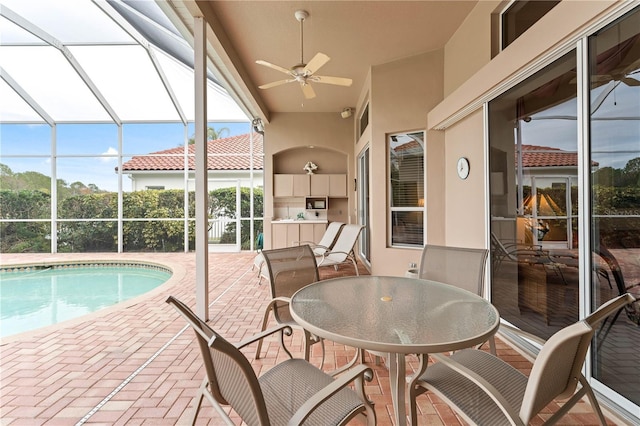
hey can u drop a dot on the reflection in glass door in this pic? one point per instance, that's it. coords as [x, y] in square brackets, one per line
[547, 219]
[614, 65]
[363, 205]
[552, 260]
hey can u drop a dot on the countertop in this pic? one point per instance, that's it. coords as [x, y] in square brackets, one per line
[299, 221]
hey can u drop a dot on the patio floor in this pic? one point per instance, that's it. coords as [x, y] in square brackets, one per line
[136, 364]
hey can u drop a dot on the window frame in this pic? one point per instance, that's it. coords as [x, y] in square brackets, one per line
[420, 205]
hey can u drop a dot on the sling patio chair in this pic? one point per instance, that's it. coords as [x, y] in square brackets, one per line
[342, 251]
[289, 269]
[457, 266]
[292, 392]
[632, 310]
[326, 243]
[485, 390]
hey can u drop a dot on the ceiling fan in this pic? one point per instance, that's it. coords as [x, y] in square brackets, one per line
[304, 73]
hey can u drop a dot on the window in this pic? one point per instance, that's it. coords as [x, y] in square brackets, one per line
[406, 189]
[364, 120]
[520, 16]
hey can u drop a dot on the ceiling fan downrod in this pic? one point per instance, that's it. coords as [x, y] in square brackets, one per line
[301, 15]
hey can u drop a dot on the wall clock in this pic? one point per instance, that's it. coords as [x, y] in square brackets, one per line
[463, 167]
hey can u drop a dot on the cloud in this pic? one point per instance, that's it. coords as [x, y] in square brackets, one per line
[112, 153]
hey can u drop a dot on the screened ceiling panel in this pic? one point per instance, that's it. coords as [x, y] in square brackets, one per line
[47, 77]
[83, 61]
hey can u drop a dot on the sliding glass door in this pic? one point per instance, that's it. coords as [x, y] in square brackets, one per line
[363, 205]
[565, 199]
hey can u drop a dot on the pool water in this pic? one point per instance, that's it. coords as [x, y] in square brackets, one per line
[38, 298]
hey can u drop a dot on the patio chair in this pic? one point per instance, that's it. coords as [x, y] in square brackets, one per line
[632, 310]
[457, 266]
[291, 392]
[289, 270]
[512, 250]
[485, 390]
[531, 254]
[327, 241]
[342, 251]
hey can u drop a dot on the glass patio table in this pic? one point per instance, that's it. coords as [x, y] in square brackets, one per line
[395, 316]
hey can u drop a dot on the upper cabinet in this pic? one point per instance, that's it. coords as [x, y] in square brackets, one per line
[333, 185]
[288, 185]
[303, 185]
[290, 179]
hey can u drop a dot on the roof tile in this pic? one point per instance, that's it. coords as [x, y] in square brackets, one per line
[232, 153]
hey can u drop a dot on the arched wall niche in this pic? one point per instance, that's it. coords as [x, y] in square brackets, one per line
[293, 160]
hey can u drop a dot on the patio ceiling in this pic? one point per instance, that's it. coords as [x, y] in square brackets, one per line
[124, 61]
[356, 35]
[70, 61]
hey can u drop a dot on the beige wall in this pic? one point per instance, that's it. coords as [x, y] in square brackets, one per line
[295, 130]
[409, 94]
[469, 49]
[401, 93]
[558, 30]
[465, 199]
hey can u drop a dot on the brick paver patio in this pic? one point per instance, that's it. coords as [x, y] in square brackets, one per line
[136, 364]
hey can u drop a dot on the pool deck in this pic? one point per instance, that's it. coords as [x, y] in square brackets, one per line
[135, 363]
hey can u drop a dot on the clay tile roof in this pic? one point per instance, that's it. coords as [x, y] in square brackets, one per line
[545, 156]
[234, 148]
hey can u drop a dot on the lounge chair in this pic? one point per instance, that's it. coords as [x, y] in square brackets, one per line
[327, 241]
[342, 251]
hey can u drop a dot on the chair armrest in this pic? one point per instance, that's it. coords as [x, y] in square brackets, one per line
[282, 327]
[348, 254]
[273, 301]
[487, 387]
[355, 374]
[311, 243]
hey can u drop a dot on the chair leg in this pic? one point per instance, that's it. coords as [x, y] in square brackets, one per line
[263, 328]
[492, 345]
[203, 389]
[593, 401]
[355, 266]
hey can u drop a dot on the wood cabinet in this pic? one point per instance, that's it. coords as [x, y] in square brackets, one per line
[289, 185]
[312, 231]
[337, 186]
[331, 185]
[300, 185]
[285, 234]
[319, 185]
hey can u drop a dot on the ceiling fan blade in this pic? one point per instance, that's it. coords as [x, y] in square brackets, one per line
[273, 66]
[630, 81]
[340, 81]
[276, 83]
[308, 91]
[316, 63]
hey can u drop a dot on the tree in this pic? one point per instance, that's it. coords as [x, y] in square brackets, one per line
[212, 134]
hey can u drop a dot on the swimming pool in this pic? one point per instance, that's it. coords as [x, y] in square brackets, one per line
[40, 295]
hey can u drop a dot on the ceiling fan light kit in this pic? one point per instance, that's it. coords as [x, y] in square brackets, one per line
[304, 73]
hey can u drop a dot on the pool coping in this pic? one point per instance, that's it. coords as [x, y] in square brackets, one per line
[177, 275]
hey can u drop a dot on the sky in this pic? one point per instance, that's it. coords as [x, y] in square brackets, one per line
[88, 152]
